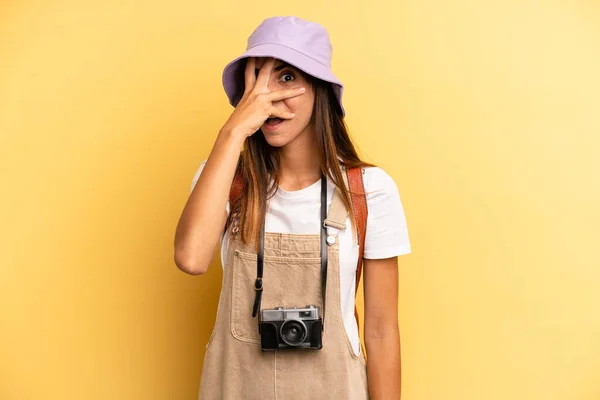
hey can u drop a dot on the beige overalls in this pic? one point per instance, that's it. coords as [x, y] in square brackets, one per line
[235, 367]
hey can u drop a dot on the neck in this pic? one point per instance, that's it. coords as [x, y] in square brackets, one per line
[300, 163]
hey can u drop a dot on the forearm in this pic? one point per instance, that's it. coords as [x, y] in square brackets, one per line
[203, 217]
[383, 368]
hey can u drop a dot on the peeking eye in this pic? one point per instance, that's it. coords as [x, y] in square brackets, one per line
[287, 77]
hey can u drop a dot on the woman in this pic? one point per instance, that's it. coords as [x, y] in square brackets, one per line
[289, 197]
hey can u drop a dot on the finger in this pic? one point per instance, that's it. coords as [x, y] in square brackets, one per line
[285, 94]
[264, 76]
[250, 75]
[274, 112]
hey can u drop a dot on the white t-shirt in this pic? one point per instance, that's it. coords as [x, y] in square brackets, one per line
[299, 212]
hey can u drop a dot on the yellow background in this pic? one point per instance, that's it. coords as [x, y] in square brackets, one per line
[486, 113]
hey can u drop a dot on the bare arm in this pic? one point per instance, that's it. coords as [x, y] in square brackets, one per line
[203, 218]
[382, 336]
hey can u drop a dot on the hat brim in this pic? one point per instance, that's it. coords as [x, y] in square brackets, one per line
[233, 77]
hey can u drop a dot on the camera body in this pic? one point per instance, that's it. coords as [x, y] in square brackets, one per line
[291, 328]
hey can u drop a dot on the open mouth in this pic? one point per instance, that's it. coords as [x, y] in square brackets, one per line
[272, 124]
[273, 121]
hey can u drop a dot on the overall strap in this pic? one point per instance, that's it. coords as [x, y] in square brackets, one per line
[338, 213]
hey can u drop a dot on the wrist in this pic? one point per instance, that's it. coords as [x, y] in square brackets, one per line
[232, 138]
[232, 133]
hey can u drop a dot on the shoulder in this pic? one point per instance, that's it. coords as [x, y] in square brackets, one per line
[378, 182]
[387, 233]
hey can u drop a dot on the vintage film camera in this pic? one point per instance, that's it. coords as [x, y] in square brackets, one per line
[291, 328]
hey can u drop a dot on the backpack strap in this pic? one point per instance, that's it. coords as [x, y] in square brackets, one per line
[361, 212]
[358, 198]
[236, 187]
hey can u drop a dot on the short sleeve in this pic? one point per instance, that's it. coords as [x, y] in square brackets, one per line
[387, 232]
[197, 176]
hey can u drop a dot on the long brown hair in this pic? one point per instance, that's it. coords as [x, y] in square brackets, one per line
[259, 163]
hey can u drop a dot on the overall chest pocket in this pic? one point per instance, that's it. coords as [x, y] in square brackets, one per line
[287, 282]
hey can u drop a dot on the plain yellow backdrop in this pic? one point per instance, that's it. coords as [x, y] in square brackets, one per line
[486, 114]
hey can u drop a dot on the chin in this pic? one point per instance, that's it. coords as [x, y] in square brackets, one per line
[277, 140]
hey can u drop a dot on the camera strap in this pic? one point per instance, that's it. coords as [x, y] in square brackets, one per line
[258, 284]
[323, 243]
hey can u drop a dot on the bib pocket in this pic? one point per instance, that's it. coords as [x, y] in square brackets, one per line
[287, 282]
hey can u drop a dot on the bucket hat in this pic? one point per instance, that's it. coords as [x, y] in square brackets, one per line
[302, 44]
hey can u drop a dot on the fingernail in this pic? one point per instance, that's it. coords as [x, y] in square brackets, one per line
[301, 89]
[292, 115]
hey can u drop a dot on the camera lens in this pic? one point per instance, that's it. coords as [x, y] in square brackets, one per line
[293, 332]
